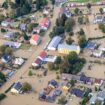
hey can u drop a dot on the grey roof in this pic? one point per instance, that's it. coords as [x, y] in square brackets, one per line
[55, 41]
[101, 95]
[66, 46]
[17, 86]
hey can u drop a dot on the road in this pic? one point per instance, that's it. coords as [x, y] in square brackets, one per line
[34, 55]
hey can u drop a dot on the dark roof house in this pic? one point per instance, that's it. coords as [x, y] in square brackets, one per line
[77, 92]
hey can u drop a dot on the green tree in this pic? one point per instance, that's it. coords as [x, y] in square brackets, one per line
[2, 76]
[72, 57]
[69, 40]
[9, 51]
[69, 24]
[76, 11]
[81, 32]
[2, 49]
[51, 66]
[101, 10]
[82, 41]
[58, 60]
[81, 20]
[5, 5]
[25, 36]
[2, 96]
[26, 87]
[2, 17]
[30, 73]
[89, 6]
[40, 3]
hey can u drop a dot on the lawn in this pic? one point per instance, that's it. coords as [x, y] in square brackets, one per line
[25, 46]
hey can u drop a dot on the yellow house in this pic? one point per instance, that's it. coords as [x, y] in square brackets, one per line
[16, 88]
[66, 49]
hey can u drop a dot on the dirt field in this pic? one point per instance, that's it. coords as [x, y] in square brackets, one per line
[97, 71]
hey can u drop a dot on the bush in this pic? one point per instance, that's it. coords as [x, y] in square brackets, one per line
[3, 30]
[2, 96]
[30, 73]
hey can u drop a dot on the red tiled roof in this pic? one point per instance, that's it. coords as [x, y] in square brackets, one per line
[98, 81]
[43, 54]
[35, 37]
[45, 22]
[38, 61]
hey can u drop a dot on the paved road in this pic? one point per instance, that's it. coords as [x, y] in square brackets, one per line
[25, 67]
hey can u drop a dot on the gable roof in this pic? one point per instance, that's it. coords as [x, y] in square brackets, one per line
[43, 54]
[17, 86]
[45, 22]
[84, 78]
[35, 37]
[54, 42]
[77, 92]
[38, 61]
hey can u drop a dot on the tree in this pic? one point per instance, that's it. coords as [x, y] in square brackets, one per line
[72, 57]
[30, 27]
[72, 82]
[51, 66]
[62, 100]
[5, 5]
[81, 20]
[69, 24]
[2, 17]
[53, 2]
[76, 11]
[58, 60]
[9, 51]
[82, 41]
[2, 76]
[26, 87]
[88, 5]
[61, 21]
[2, 96]
[40, 3]
[69, 41]
[25, 37]
[81, 32]
[30, 73]
[101, 10]
[2, 49]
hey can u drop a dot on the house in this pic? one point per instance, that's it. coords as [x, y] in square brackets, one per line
[85, 79]
[97, 53]
[19, 61]
[16, 89]
[60, 2]
[5, 23]
[98, 82]
[42, 55]
[9, 34]
[50, 58]
[66, 49]
[35, 39]
[54, 43]
[37, 62]
[53, 83]
[37, 30]
[12, 44]
[77, 92]
[91, 45]
[23, 26]
[45, 23]
[65, 11]
[69, 77]
[6, 58]
[15, 24]
[99, 19]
